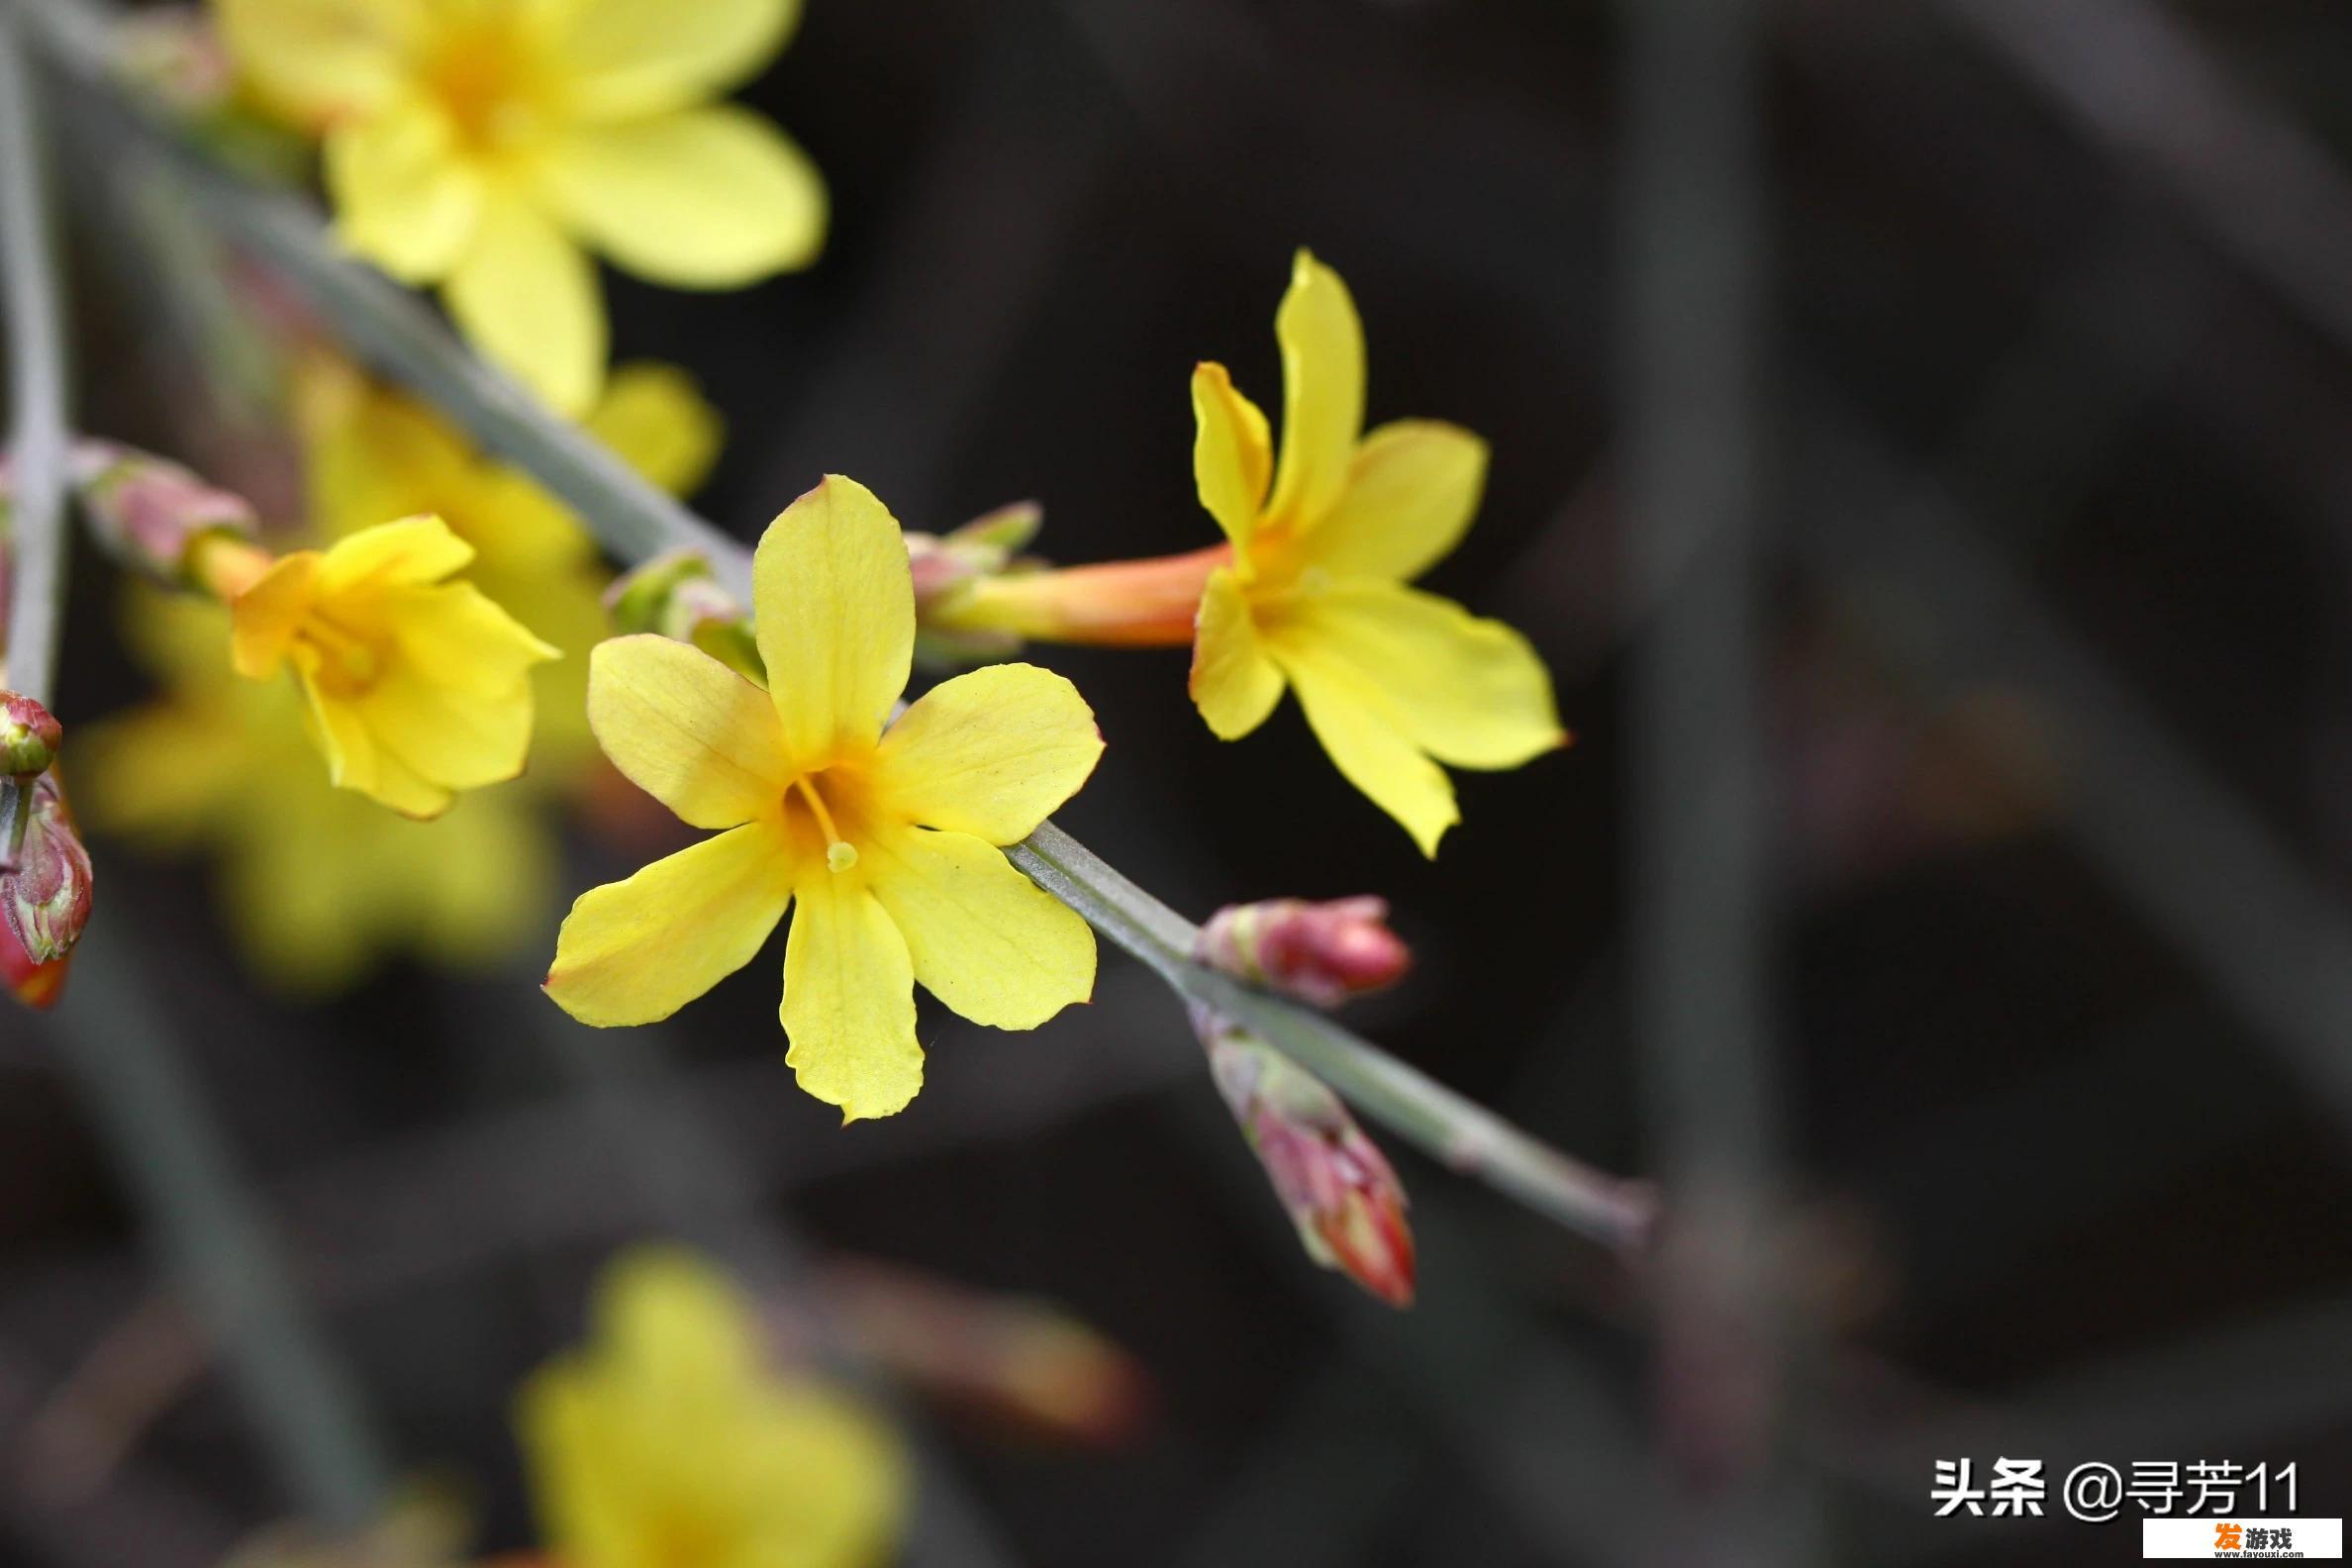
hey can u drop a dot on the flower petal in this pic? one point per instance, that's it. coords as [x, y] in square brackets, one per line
[624, 59]
[1366, 739]
[317, 60]
[457, 636]
[404, 196]
[411, 552]
[1234, 683]
[708, 198]
[1323, 391]
[835, 614]
[1410, 494]
[527, 298]
[265, 616]
[687, 730]
[636, 952]
[992, 752]
[1233, 453]
[1468, 691]
[657, 419]
[357, 761]
[985, 939]
[849, 999]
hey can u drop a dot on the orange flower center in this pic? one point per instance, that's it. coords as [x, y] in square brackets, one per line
[349, 662]
[487, 78]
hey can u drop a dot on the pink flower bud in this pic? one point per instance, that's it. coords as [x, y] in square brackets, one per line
[1323, 953]
[1338, 1188]
[45, 895]
[29, 736]
[149, 514]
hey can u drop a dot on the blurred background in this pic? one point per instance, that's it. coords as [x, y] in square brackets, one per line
[1919, 452]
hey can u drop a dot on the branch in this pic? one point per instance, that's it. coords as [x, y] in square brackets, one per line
[35, 576]
[398, 335]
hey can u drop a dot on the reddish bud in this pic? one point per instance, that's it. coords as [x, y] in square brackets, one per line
[29, 736]
[45, 887]
[1323, 953]
[946, 567]
[150, 514]
[1338, 1188]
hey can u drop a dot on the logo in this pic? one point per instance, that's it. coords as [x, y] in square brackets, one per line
[2242, 1539]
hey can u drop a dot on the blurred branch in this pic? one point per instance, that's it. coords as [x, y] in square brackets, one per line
[632, 520]
[118, 1046]
[1690, 354]
[33, 546]
[2134, 75]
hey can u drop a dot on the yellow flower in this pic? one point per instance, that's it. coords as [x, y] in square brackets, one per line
[318, 883]
[888, 841]
[370, 454]
[670, 1441]
[480, 145]
[416, 687]
[1393, 680]
[1309, 592]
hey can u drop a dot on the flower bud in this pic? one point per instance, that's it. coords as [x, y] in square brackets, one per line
[1323, 953]
[1338, 1188]
[946, 567]
[45, 890]
[677, 595]
[29, 736]
[33, 985]
[150, 514]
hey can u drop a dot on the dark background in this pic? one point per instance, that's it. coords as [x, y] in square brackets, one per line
[2053, 309]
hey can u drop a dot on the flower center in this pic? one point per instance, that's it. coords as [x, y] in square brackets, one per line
[484, 76]
[840, 854]
[348, 661]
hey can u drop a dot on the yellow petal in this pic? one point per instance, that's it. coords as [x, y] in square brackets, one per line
[163, 772]
[992, 752]
[1410, 494]
[370, 455]
[527, 299]
[1323, 391]
[1234, 683]
[1232, 454]
[984, 938]
[266, 615]
[849, 999]
[454, 635]
[636, 951]
[1367, 740]
[657, 420]
[458, 734]
[708, 198]
[356, 761]
[835, 614]
[1468, 691]
[663, 1313]
[624, 59]
[687, 730]
[409, 553]
[405, 196]
[313, 61]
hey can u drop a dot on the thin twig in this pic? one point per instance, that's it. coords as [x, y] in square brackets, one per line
[1695, 255]
[35, 574]
[633, 520]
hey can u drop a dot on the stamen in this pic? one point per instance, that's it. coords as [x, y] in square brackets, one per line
[840, 854]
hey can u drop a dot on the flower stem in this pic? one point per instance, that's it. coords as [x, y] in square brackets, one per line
[34, 538]
[634, 522]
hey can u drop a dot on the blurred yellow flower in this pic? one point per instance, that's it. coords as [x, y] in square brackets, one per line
[1390, 677]
[670, 1440]
[888, 841]
[371, 453]
[318, 883]
[480, 145]
[416, 686]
